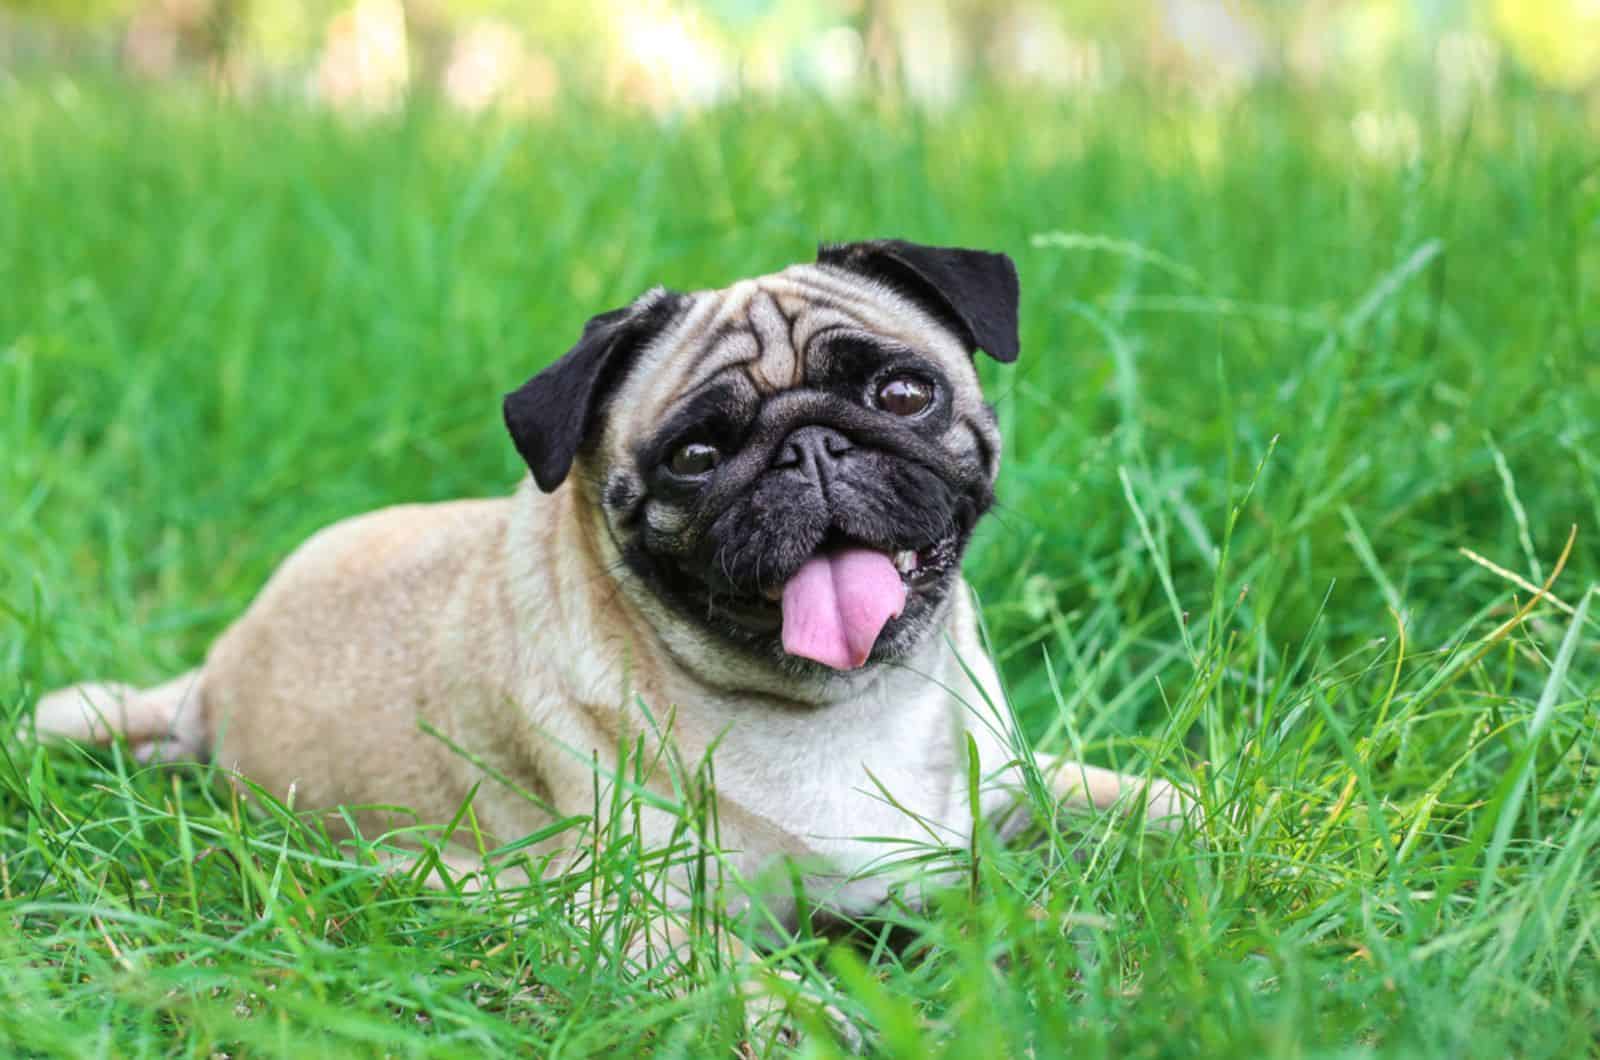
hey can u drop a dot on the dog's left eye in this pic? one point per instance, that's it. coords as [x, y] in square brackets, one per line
[904, 396]
[693, 459]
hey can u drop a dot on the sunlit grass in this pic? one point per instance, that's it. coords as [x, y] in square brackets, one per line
[1271, 389]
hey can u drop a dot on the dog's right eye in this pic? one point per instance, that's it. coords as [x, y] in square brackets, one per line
[693, 459]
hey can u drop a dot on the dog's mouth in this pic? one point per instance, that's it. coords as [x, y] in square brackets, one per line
[917, 568]
[835, 606]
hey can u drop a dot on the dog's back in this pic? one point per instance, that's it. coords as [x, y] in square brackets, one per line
[354, 625]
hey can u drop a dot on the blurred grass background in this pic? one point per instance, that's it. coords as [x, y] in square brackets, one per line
[1324, 274]
[668, 56]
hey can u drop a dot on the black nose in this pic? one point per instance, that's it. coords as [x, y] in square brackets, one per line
[814, 450]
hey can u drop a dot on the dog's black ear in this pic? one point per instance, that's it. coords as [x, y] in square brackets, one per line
[973, 292]
[552, 415]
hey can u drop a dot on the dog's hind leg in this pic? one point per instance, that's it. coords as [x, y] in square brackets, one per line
[164, 723]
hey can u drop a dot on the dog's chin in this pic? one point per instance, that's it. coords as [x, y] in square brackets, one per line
[750, 618]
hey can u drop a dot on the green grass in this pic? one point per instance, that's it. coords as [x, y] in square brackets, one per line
[1270, 388]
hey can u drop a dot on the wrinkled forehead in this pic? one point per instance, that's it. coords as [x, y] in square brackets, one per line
[770, 333]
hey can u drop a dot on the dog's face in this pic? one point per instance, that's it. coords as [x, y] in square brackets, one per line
[794, 465]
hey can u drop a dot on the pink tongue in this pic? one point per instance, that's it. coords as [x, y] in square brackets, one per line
[835, 606]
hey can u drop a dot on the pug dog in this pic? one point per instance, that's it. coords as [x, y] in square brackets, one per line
[743, 530]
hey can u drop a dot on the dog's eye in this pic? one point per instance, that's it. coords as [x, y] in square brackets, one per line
[905, 396]
[693, 459]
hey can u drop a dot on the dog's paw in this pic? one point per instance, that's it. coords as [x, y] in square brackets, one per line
[1168, 808]
[773, 999]
[89, 713]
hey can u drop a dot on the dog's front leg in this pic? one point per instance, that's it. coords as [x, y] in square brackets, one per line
[1075, 785]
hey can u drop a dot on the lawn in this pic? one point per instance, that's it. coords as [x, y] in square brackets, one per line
[1288, 388]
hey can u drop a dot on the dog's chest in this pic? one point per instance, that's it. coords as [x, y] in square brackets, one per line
[843, 790]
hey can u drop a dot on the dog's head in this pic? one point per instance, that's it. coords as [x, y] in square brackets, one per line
[792, 465]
